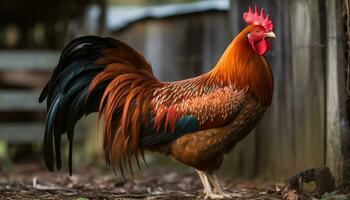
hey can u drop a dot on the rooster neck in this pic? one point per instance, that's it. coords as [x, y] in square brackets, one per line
[241, 66]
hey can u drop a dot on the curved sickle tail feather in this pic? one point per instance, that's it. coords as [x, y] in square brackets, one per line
[71, 92]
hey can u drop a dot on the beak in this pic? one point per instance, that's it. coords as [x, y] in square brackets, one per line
[270, 35]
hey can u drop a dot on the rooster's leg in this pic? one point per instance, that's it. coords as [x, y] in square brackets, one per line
[217, 187]
[205, 181]
[208, 189]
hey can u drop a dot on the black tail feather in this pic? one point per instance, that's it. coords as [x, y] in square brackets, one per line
[66, 91]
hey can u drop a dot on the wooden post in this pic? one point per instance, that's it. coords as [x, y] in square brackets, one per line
[338, 133]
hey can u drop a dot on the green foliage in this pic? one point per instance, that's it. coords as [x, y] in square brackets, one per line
[3, 149]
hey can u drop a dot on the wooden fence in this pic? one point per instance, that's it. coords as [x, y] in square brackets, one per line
[23, 99]
[306, 126]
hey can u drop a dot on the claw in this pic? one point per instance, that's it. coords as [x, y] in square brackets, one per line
[214, 196]
[236, 195]
[228, 195]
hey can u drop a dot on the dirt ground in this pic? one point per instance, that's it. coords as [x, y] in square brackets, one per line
[32, 182]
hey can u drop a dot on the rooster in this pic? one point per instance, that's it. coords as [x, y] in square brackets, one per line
[195, 121]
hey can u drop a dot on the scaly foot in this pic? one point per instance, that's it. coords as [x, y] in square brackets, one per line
[214, 196]
[227, 195]
[230, 195]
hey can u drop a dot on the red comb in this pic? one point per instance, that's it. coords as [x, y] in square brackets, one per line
[258, 19]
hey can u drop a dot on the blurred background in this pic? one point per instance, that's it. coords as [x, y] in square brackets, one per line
[306, 126]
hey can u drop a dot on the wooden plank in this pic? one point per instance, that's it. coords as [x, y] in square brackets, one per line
[338, 132]
[186, 53]
[28, 60]
[20, 101]
[216, 37]
[308, 83]
[21, 133]
[276, 130]
[30, 132]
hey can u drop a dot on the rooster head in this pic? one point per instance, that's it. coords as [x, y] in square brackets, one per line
[261, 32]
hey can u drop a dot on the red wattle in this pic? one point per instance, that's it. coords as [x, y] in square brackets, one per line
[261, 47]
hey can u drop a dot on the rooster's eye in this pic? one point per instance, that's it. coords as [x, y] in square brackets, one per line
[257, 30]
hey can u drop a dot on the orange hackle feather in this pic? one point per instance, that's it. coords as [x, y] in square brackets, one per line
[241, 66]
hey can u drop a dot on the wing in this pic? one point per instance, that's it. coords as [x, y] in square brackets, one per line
[188, 106]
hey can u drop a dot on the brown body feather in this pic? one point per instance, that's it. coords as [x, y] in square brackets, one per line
[205, 150]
